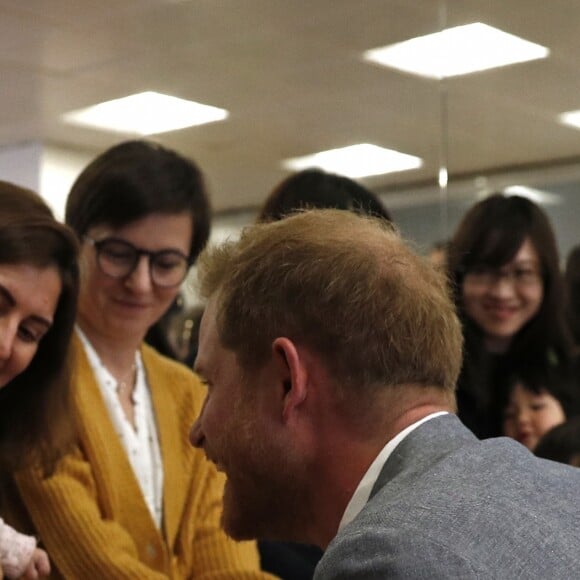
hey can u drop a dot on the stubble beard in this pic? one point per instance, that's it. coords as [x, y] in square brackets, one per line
[266, 499]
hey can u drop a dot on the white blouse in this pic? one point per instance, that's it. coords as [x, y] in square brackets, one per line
[142, 442]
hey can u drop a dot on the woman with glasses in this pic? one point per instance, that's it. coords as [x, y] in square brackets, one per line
[135, 500]
[504, 266]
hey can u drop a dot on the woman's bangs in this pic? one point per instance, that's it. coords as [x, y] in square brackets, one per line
[499, 245]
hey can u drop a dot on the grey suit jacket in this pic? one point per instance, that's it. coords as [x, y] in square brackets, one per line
[447, 505]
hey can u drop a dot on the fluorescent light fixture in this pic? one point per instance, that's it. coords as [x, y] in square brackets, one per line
[360, 160]
[571, 118]
[443, 177]
[536, 195]
[457, 51]
[145, 113]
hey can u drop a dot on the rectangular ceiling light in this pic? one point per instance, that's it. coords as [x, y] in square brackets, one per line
[145, 113]
[360, 160]
[457, 51]
[571, 118]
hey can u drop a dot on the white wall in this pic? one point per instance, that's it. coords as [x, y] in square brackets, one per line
[58, 170]
[20, 164]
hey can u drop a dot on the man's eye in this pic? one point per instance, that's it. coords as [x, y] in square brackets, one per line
[204, 382]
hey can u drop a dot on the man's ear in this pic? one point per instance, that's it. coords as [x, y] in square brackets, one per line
[293, 375]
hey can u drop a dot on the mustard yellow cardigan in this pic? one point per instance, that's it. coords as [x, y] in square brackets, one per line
[91, 515]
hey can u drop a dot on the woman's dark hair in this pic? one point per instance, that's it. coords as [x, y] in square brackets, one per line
[35, 418]
[490, 235]
[572, 288]
[135, 179]
[316, 189]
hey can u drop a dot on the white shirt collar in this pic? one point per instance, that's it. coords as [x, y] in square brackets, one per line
[363, 491]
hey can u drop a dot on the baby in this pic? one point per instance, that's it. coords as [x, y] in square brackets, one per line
[536, 404]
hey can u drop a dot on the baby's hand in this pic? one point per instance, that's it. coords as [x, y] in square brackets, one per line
[39, 565]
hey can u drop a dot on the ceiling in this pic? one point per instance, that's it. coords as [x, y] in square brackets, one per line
[290, 73]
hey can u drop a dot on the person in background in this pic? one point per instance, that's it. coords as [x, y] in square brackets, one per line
[184, 331]
[332, 352]
[134, 500]
[534, 406]
[159, 337]
[309, 190]
[38, 294]
[562, 443]
[503, 264]
[438, 254]
[316, 189]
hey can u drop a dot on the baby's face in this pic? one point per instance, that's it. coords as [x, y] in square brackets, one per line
[530, 415]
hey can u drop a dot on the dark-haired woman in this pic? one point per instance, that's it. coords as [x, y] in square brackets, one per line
[504, 265]
[38, 292]
[134, 499]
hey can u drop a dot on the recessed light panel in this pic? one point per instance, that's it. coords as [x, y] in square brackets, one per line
[360, 160]
[145, 113]
[571, 118]
[457, 51]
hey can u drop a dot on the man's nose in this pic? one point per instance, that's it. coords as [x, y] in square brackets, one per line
[196, 436]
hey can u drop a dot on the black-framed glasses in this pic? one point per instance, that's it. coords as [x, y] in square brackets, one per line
[118, 259]
[522, 275]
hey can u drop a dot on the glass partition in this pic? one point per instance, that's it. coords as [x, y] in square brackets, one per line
[497, 130]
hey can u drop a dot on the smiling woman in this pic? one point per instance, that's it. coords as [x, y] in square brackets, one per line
[504, 266]
[38, 291]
